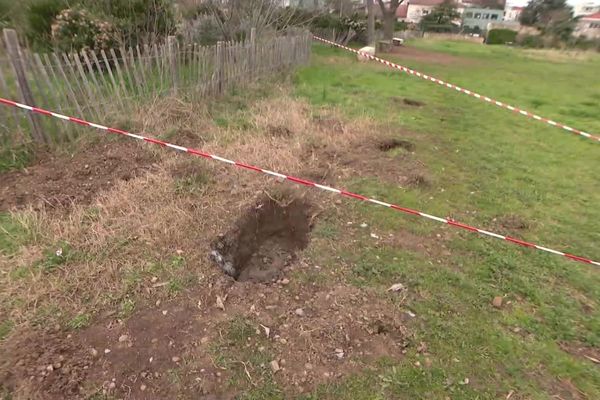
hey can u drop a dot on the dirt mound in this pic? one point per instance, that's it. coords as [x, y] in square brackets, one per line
[44, 365]
[264, 240]
[59, 181]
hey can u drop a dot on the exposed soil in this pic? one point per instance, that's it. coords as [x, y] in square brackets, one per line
[513, 222]
[279, 131]
[316, 334]
[57, 181]
[412, 53]
[264, 240]
[364, 158]
[589, 353]
[390, 144]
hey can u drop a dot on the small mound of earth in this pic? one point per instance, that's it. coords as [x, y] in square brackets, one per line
[390, 144]
[60, 181]
[264, 240]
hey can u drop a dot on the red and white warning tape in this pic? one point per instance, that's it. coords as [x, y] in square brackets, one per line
[300, 181]
[465, 91]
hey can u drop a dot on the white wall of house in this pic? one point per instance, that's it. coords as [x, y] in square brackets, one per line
[512, 13]
[590, 28]
[417, 12]
[587, 8]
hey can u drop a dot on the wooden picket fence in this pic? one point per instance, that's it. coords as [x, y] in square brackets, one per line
[92, 85]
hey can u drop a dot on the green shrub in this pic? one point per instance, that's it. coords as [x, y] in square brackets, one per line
[501, 36]
[5, 11]
[76, 29]
[39, 17]
[138, 21]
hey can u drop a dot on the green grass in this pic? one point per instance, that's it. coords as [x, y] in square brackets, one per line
[485, 164]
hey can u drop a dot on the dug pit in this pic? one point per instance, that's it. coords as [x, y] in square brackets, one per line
[264, 240]
[391, 144]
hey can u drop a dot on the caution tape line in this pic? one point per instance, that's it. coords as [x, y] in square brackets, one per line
[305, 182]
[465, 91]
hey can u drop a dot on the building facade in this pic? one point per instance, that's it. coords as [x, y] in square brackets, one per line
[479, 18]
[512, 13]
[587, 8]
[588, 26]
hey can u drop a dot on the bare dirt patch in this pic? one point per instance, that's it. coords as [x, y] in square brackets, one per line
[187, 348]
[412, 53]
[59, 181]
[371, 157]
[513, 222]
[390, 144]
[407, 102]
[589, 353]
[264, 240]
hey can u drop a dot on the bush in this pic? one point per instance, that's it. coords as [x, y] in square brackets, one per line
[76, 29]
[39, 18]
[531, 41]
[138, 21]
[501, 36]
[5, 9]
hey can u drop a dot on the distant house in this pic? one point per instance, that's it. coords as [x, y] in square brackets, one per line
[417, 9]
[479, 18]
[588, 26]
[512, 13]
[587, 8]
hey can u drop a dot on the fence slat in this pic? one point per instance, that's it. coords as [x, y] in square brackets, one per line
[13, 111]
[41, 95]
[86, 85]
[120, 75]
[12, 44]
[141, 67]
[52, 97]
[67, 82]
[134, 71]
[63, 97]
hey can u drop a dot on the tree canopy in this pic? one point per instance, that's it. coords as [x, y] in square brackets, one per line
[441, 17]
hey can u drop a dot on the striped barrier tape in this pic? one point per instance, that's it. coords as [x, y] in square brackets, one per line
[465, 91]
[447, 221]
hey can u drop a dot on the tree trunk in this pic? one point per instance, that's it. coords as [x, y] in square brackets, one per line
[370, 23]
[389, 24]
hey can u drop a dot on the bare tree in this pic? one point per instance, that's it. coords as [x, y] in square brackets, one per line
[370, 23]
[389, 17]
[236, 16]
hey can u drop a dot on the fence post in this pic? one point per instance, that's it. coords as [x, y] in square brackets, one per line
[219, 67]
[172, 47]
[14, 52]
[252, 52]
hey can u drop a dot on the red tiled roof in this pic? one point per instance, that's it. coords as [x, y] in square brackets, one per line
[592, 16]
[402, 11]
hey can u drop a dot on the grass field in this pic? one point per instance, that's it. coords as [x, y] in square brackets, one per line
[480, 165]
[486, 163]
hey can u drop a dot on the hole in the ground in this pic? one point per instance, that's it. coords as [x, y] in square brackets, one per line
[390, 144]
[414, 103]
[264, 240]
